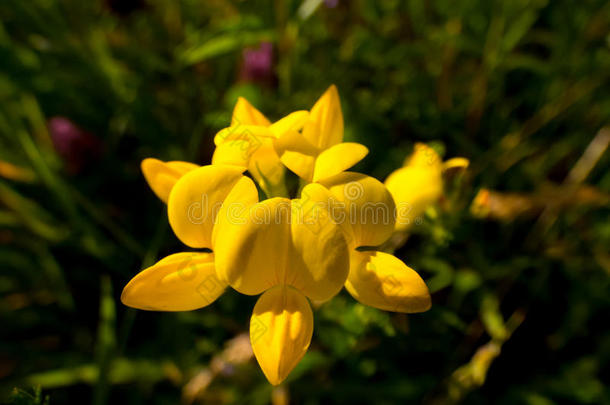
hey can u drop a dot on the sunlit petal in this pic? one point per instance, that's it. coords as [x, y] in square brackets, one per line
[383, 281]
[236, 152]
[267, 169]
[457, 164]
[253, 134]
[302, 165]
[425, 157]
[235, 205]
[414, 189]
[253, 250]
[297, 154]
[276, 242]
[245, 113]
[369, 208]
[296, 142]
[292, 122]
[180, 282]
[326, 114]
[161, 176]
[319, 261]
[281, 328]
[195, 200]
[338, 158]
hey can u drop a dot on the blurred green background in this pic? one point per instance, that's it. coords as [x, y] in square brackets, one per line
[520, 278]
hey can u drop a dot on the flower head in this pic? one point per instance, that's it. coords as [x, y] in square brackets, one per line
[288, 249]
[419, 183]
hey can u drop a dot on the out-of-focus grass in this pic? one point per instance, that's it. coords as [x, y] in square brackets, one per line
[520, 296]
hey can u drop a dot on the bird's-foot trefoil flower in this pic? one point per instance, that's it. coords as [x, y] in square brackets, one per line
[419, 183]
[287, 249]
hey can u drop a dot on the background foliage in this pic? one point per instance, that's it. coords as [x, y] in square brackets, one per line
[520, 282]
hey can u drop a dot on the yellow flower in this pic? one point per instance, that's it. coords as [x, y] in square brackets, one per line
[365, 210]
[319, 151]
[279, 248]
[419, 183]
[248, 143]
[287, 250]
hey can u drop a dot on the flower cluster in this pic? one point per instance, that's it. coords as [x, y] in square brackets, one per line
[259, 240]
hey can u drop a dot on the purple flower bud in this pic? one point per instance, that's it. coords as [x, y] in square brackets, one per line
[77, 147]
[257, 64]
[331, 3]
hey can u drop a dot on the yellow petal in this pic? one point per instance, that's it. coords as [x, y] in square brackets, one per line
[267, 169]
[281, 328]
[236, 153]
[328, 118]
[338, 158]
[235, 205]
[195, 200]
[260, 159]
[271, 244]
[252, 250]
[383, 281]
[425, 157]
[253, 134]
[292, 122]
[297, 154]
[296, 142]
[161, 176]
[458, 163]
[414, 189]
[369, 209]
[179, 282]
[245, 113]
[300, 164]
[319, 261]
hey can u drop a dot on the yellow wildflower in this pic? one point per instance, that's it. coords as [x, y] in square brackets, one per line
[419, 183]
[287, 250]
